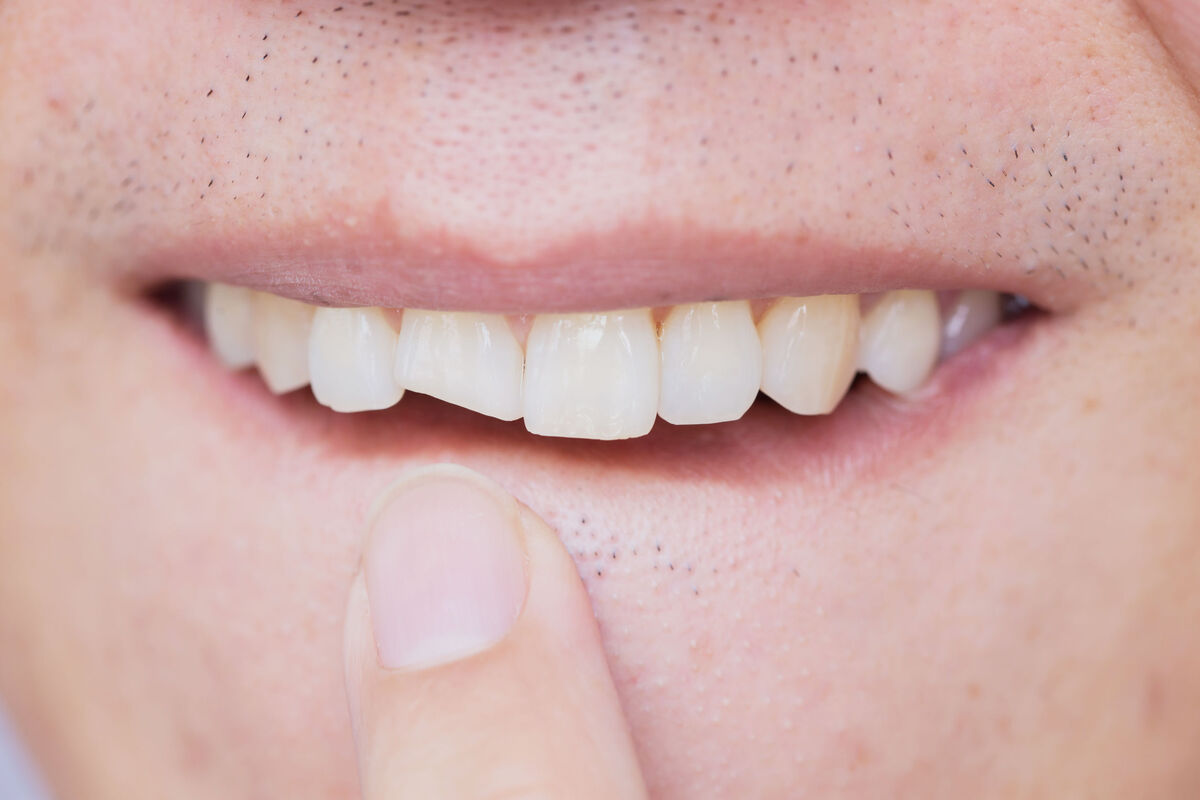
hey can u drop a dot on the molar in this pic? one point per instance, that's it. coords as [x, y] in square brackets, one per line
[351, 356]
[900, 339]
[711, 363]
[281, 329]
[810, 351]
[470, 360]
[593, 376]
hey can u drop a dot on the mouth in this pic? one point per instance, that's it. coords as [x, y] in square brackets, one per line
[601, 375]
[856, 363]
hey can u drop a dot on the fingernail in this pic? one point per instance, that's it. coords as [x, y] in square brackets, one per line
[444, 567]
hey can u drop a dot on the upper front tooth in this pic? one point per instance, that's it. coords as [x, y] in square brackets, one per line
[900, 339]
[592, 376]
[973, 313]
[711, 363]
[281, 341]
[351, 355]
[810, 348]
[471, 360]
[229, 322]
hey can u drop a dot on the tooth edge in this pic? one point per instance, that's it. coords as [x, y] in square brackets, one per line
[548, 382]
[675, 401]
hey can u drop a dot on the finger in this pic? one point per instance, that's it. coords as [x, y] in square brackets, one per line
[474, 667]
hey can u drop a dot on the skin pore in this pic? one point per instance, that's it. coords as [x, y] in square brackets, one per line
[996, 599]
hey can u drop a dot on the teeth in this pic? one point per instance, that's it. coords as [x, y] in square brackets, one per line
[810, 351]
[281, 341]
[471, 360]
[351, 357]
[973, 313]
[598, 375]
[899, 340]
[592, 376]
[229, 322]
[711, 363]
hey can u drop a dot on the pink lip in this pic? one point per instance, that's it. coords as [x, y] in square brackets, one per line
[646, 265]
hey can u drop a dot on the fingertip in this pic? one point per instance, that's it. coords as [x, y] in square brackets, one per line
[472, 656]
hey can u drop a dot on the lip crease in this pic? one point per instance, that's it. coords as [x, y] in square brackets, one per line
[636, 266]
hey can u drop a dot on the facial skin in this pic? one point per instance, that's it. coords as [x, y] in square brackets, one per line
[989, 594]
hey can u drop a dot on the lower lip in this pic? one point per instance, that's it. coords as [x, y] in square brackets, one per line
[866, 435]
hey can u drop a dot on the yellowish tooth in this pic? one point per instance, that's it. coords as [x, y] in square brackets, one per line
[281, 329]
[351, 355]
[711, 363]
[900, 339]
[810, 351]
[972, 314]
[470, 360]
[229, 323]
[592, 376]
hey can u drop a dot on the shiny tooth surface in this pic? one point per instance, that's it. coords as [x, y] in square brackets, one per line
[900, 339]
[229, 323]
[470, 360]
[351, 359]
[598, 375]
[711, 363]
[810, 351]
[281, 329]
[973, 313]
[593, 376]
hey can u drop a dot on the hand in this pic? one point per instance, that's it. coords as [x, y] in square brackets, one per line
[474, 667]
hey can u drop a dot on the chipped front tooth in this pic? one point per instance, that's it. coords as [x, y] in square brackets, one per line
[810, 351]
[973, 313]
[351, 358]
[593, 376]
[470, 360]
[900, 339]
[711, 363]
[281, 329]
[229, 323]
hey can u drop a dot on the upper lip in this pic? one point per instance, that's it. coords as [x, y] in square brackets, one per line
[644, 264]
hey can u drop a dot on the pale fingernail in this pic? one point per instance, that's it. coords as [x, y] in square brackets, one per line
[445, 567]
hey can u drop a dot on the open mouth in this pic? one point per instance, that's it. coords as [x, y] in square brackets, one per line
[602, 375]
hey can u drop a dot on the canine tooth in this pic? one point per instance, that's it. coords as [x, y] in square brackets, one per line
[351, 357]
[281, 330]
[810, 351]
[470, 360]
[973, 313]
[592, 376]
[900, 339]
[229, 322]
[711, 363]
